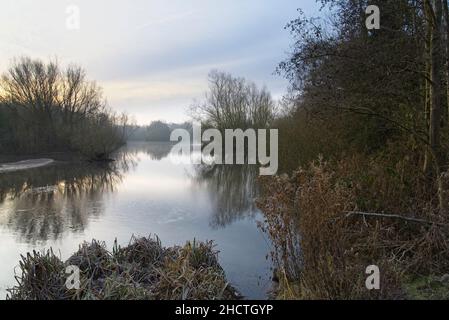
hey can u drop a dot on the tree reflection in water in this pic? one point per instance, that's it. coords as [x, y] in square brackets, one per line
[44, 203]
[156, 150]
[232, 188]
[41, 204]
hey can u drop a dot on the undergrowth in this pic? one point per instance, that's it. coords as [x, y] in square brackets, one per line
[142, 270]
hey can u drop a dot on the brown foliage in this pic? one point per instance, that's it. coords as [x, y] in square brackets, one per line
[141, 271]
[322, 252]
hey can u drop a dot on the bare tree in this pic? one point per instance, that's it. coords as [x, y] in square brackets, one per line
[233, 102]
[79, 98]
[54, 109]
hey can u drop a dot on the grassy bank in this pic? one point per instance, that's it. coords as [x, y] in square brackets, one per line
[142, 270]
[330, 220]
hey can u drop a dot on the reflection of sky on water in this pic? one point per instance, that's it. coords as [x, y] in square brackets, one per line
[143, 193]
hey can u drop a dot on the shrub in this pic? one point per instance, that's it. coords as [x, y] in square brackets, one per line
[323, 243]
[142, 270]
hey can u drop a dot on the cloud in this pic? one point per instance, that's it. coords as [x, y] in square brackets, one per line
[167, 19]
[152, 57]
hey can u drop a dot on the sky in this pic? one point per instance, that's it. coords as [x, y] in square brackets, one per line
[152, 57]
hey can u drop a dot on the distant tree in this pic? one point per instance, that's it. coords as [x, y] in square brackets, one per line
[158, 131]
[52, 109]
[136, 132]
[234, 103]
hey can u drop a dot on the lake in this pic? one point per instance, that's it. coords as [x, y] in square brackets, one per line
[144, 192]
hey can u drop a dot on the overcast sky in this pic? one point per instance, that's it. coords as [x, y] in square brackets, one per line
[152, 57]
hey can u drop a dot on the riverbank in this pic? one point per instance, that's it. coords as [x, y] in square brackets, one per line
[13, 162]
[142, 270]
[56, 156]
[24, 165]
[332, 221]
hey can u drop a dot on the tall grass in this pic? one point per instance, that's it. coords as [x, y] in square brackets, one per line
[142, 270]
[322, 250]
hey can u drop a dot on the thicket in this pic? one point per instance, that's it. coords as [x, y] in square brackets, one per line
[364, 148]
[143, 270]
[45, 108]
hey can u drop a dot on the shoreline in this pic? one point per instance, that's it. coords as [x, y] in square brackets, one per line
[56, 156]
[142, 270]
[25, 165]
[10, 163]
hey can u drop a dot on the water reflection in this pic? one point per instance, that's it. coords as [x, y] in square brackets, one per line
[142, 192]
[43, 203]
[232, 190]
[156, 150]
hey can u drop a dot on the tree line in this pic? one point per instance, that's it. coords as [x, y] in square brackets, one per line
[45, 108]
[364, 139]
[157, 131]
[234, 102]
[373, 86]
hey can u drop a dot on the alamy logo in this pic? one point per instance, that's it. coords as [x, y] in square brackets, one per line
[373, 280]
[73, 280]
[234, 147]
[72, 21]
[373, 20]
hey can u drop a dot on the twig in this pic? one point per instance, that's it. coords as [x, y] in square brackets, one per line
[393, 216]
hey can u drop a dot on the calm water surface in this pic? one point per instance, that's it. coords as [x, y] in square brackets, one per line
[144, 192]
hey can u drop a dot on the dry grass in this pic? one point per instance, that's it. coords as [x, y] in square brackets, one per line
[142, 270]
[322, 253]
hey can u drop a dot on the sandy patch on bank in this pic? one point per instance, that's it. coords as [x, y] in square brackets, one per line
[24, 165]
